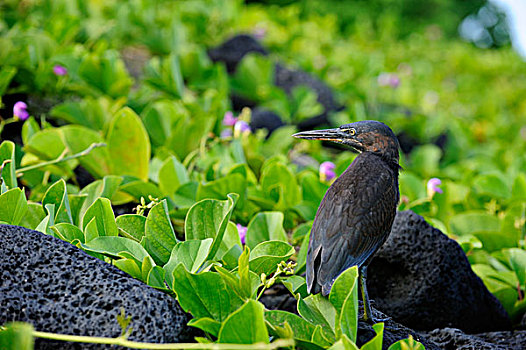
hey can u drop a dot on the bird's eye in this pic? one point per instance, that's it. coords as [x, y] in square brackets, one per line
[352, 131]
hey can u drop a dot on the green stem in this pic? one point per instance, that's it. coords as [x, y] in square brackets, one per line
[280, 343]
[4, 122]
[60, 159]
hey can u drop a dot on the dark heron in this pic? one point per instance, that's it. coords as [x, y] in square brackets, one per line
[355, 216]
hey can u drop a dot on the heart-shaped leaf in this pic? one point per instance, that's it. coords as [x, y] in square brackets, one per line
[209, 219]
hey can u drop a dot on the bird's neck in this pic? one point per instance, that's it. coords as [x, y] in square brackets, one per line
[390, 160]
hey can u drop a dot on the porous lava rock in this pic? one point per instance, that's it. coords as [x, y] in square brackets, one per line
[279, 298]
[232, 51]
[58, 288]
[265, 119]
[452, 338]
[393, 332]
[288, 79]
[423, 279]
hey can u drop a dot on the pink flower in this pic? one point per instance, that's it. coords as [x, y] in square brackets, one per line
[432, 186]
[242, 230]
[20, 110]
[229, 119]
[389, 79]
[327, 171]
[60, 70]
[241, 127]
[259, 33]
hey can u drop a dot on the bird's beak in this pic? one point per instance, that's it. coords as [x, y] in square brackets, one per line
[333, 135]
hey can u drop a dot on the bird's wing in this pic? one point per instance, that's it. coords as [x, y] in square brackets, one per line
[352, 222]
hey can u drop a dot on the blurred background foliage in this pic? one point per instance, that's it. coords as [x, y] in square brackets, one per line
[457, 106]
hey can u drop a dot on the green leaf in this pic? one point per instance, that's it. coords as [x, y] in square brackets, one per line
[265, 226]
[302, 329]
[517, 258]
[6, 74]
[34, 215]
[376, 342]
[13, 206]
[68, 232]
[106, 72]
[296, 284]
[319, 311]
[491, 185]
[344, 343]
[78, 138]
[48, 221]
[245, 286]
[159, 233]
[76, 202]
[17, 336]
[7, 152]
[230, 240]
[473, 221]
[156, 278]
[130, 267]
[192, 254]
[117, 248]
[139, 189]
[204, 294]
[165, 75]
[162, 118]
[209, 219]
[220, 188]
[90, 112]
[206, 324]
[102, 212]
[230, 259]
[133, 225]
[101, 188]
[29, 129]
[236, 329]
[280, 184]
[344, 297]
[407, 344]
[266, 256]
[57, 194]
[425, 159]
[254, 77]
[172, 175]
[128, 145]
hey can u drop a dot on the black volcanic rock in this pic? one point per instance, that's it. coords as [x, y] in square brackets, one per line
[451, 338]
[279, 298]
[265, 119]
[232, 51]
[423, 279]
[58, 288]
[288, 79]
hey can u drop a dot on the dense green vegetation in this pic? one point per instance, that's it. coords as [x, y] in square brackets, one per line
[152, 139]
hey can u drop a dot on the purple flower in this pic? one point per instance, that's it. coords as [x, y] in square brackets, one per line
[327, 171]
[240, 128]
[60, 70]
[225, 134]
[388, 79]
[432, 186]
[242, 230]
[259, 33]
[229, 119]
[20, 110]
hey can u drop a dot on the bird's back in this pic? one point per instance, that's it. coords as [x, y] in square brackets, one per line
[354, 219]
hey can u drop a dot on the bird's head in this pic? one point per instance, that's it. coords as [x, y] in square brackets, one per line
[363, 136]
